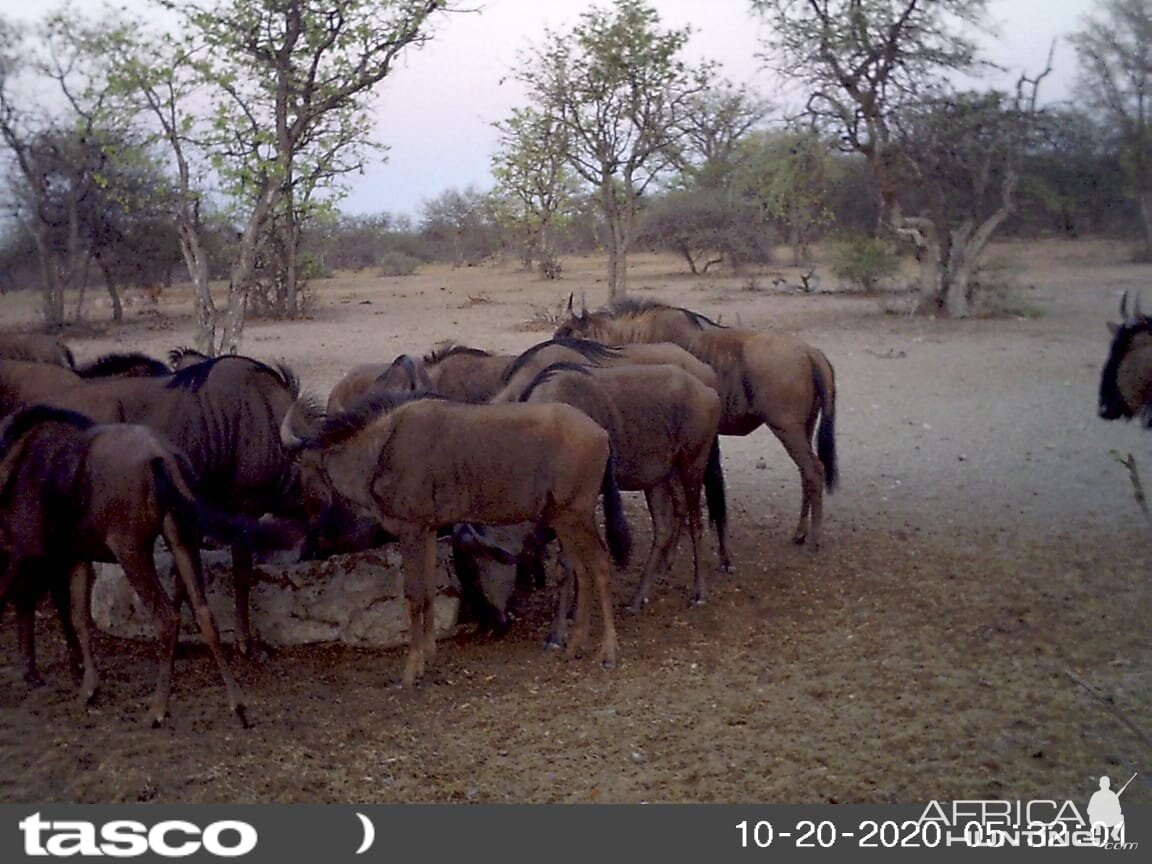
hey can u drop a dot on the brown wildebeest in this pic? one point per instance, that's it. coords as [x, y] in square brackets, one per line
[224, 414]
[405, 373]
[25, 382]
[72, 492]
[1126, 379]
[663, 424]
[36, 348]
[420, 464]
[766, 378]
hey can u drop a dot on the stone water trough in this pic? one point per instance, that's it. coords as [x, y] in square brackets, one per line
[355, 599]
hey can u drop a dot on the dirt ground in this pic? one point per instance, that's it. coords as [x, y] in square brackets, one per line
[976, 625]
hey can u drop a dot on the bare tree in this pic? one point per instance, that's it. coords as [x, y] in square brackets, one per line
[1115, 56]
[866, 63]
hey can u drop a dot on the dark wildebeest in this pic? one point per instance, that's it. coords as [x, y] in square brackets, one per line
[1126, 379]
[36, 348]
[421, 463]
[766, 378]
[662, 423]
[224, 414]
[72, 492]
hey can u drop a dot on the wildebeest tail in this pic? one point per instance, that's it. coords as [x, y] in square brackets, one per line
[616, 529]
[714, 493]
[197, 515]
[824, 379]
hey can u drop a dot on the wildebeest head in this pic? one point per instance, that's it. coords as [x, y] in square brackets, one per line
[1126, 380]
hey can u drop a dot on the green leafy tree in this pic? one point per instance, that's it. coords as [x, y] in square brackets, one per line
[619, 91]
[288, 83]
[533, 177]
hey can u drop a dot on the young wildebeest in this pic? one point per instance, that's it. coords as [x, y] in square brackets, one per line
[1126, 380]
[766, 378]
[420, 464]
[662, 423]
[73, 491]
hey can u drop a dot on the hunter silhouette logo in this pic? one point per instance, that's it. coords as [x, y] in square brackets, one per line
[1104, 809]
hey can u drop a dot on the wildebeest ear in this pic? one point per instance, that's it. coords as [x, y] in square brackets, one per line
[1113, 327]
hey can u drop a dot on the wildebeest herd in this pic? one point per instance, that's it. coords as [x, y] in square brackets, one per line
[506, 453]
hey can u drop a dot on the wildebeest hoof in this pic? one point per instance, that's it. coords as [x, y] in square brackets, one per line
[552, 644]
[256, 652]
[34, 679]
[242, 715]
[697, 600]
[637, 604]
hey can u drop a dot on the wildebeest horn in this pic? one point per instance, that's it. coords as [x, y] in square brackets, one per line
[583, 305]
[571, 294]
[1136, 313]
[288, 437]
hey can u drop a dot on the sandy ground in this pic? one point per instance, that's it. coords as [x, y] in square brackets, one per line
[975, 626]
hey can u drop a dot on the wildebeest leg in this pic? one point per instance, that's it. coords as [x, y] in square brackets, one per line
[80, 591]
[686, 498]
[664, 532]
[419, 557]
[24, 604]
[799, 447]
[60, 588]
[589, 560]
[242, 574]
[26, 635]
[186, 557]
[566, 590]
[140, 570]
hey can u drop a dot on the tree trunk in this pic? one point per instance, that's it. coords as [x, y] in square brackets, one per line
[196, 260]
[1146, 217]
[242, 271]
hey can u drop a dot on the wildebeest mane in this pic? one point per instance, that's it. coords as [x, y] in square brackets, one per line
[634, 307]
[450, 349]
[549, 372]
[342, 426]
[594, 351]
[22, 422]
[132, 363]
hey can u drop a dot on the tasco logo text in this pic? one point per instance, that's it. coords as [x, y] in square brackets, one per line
[125, 838]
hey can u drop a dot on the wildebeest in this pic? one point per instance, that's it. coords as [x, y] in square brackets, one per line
[36, 348]
[422, 463]
[662, 423]
[224, 414]
[405, 373]
[1126, 379]
[73, 491]
[766, 378]
[25, 382]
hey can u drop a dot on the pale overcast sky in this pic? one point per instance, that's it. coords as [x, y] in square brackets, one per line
[437, 108]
